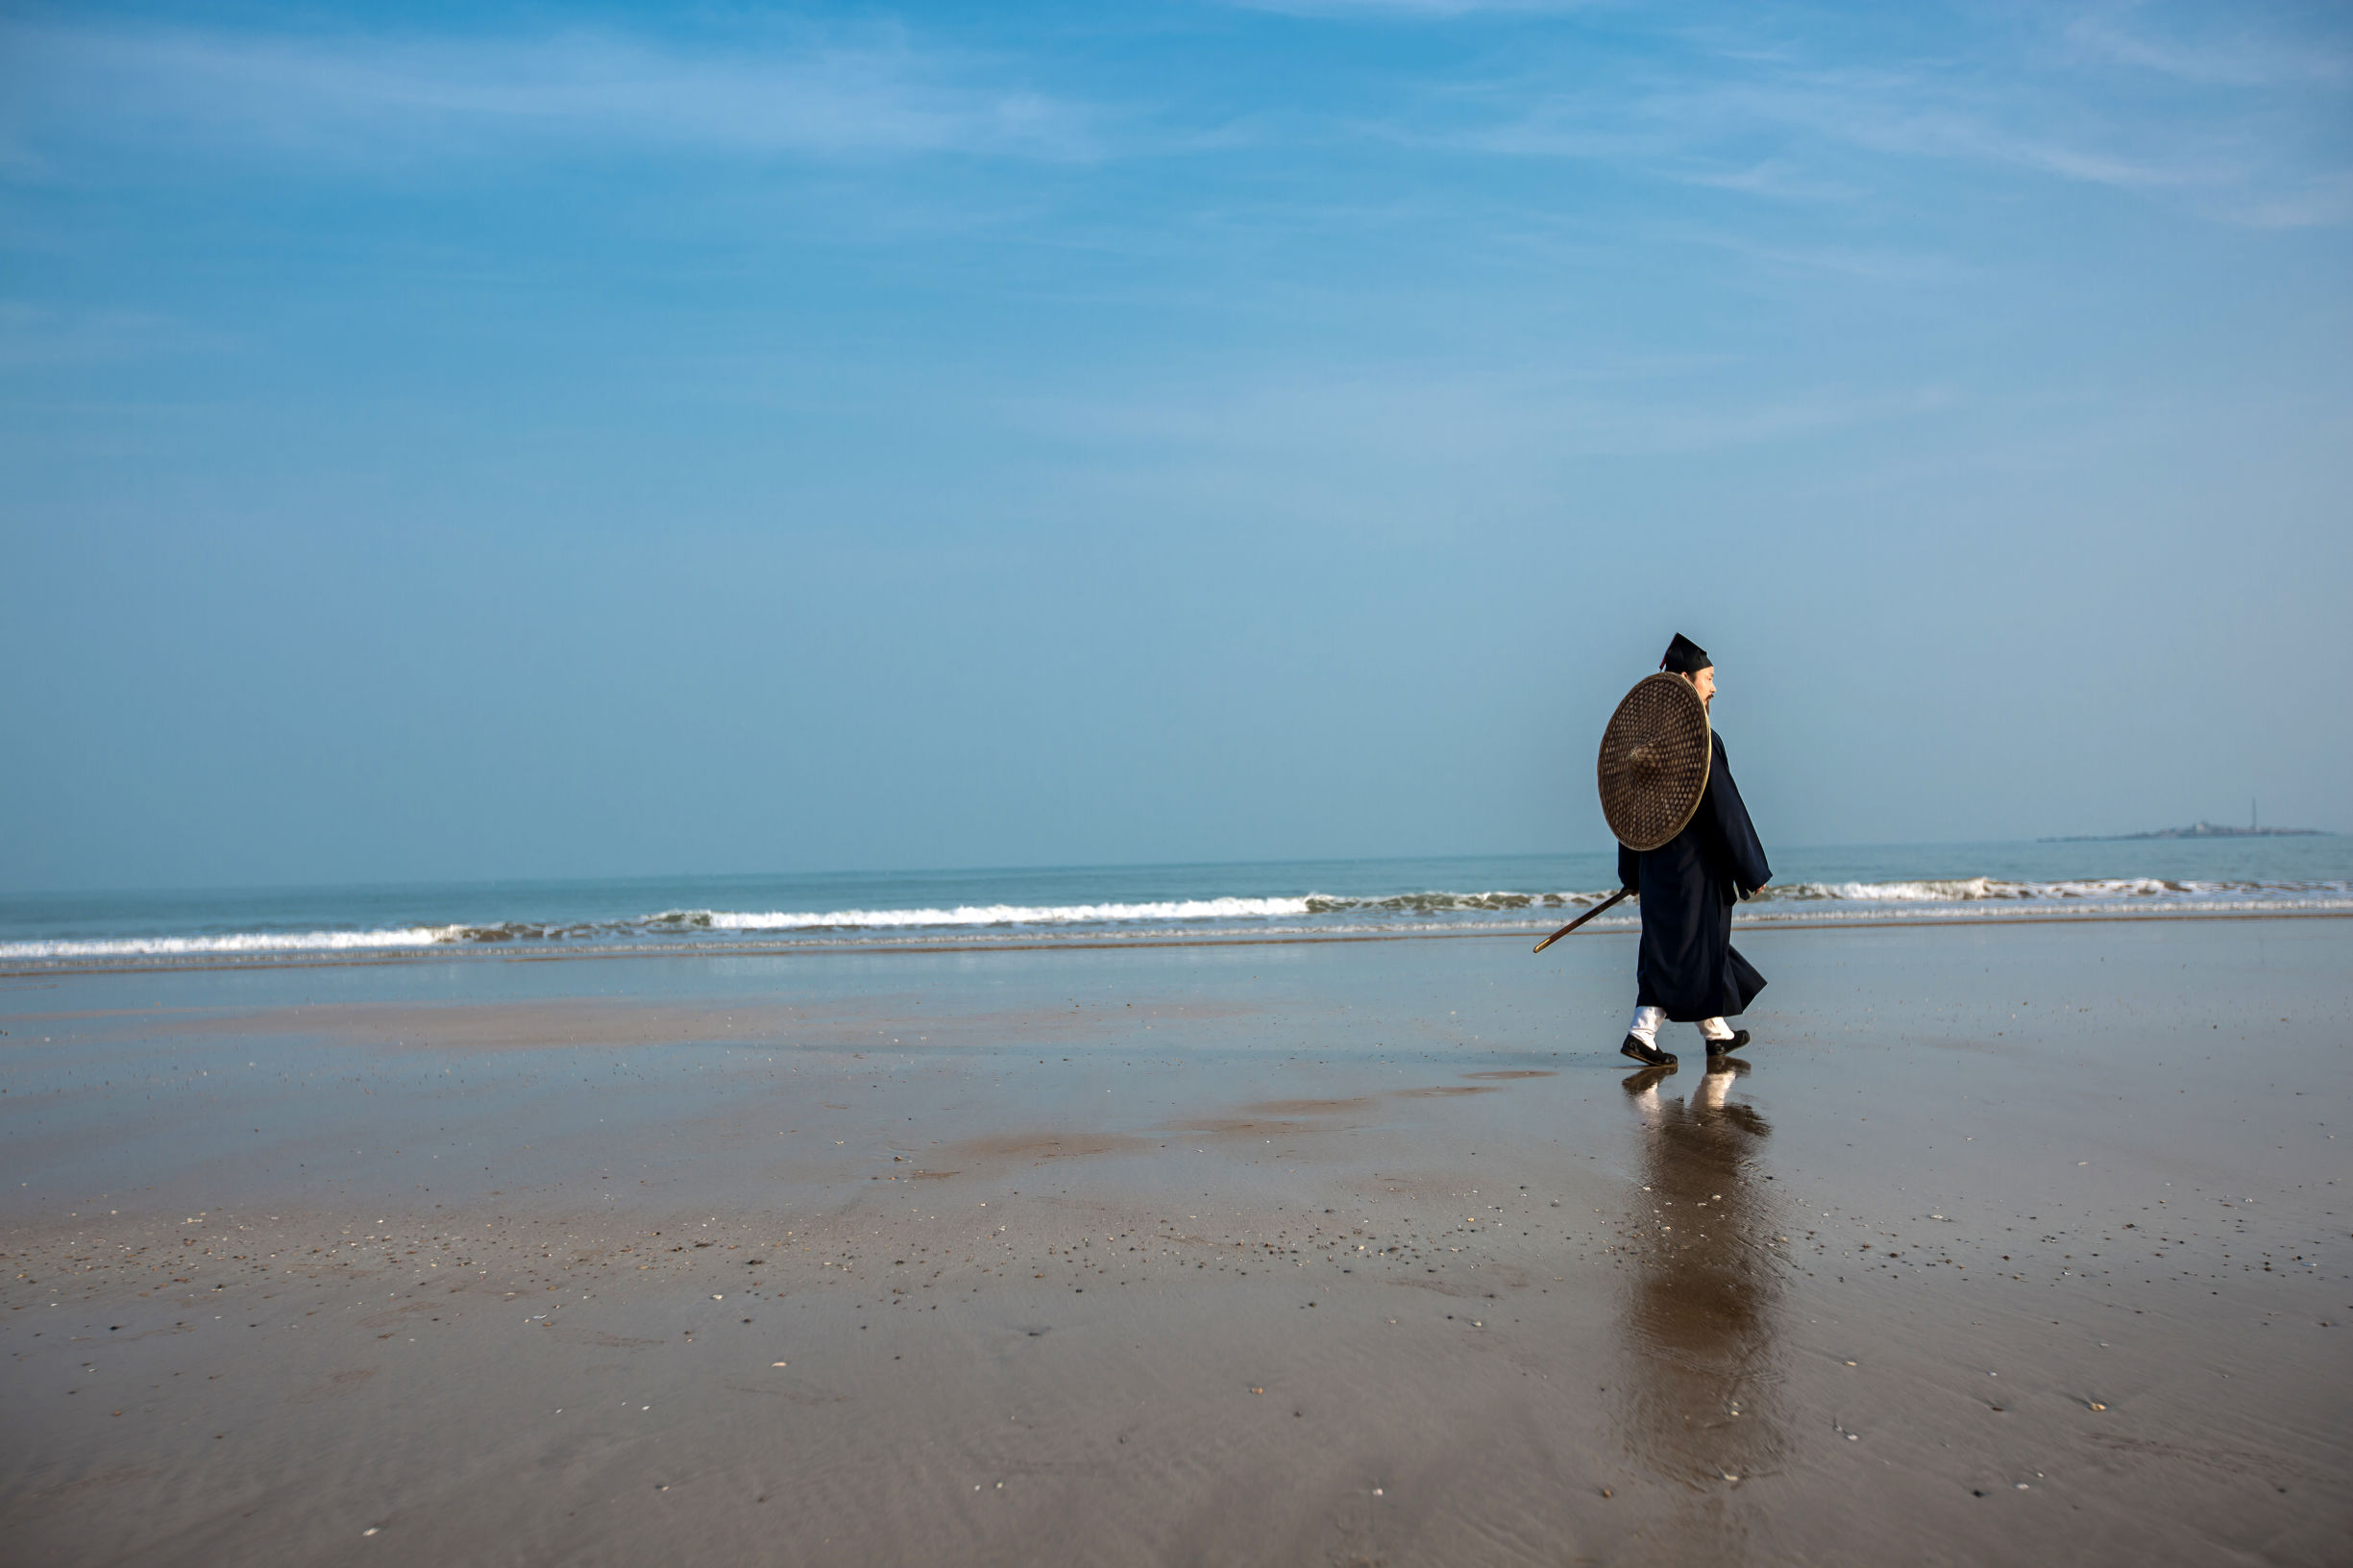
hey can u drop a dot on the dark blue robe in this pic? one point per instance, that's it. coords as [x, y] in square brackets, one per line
[1689, 966]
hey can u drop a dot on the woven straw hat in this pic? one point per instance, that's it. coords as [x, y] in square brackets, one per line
[1654, 763]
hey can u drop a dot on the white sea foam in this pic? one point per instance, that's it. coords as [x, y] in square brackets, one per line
[1971, 888]
[234, 942]
[1933, 902]
[2040, 908]
[1977, 888]
[884, 920]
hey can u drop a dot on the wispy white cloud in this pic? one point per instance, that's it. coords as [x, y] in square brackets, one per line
[1417, 10]
[1417, 418]
[1780, 179]
[2324, 200]
[1750, 107]
[1772, 124]
[2239, 55]
[1870, 264]
[2235, 117]
[34, 335]
[1910, 114]
[370, 96]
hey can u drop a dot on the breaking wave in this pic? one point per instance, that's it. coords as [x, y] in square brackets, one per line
[1287, 916]
[1971, 888]
[234, 942]
[887, 919]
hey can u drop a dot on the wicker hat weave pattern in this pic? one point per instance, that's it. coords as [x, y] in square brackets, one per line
[1653, 763]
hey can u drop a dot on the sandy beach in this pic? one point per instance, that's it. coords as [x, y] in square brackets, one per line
[2016, 1244]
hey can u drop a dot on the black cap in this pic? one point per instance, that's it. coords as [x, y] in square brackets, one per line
[1686, 657]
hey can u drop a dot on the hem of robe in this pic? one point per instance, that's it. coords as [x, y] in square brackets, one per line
[1743, 983]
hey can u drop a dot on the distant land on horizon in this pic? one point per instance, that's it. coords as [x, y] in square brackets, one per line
[2195, 830]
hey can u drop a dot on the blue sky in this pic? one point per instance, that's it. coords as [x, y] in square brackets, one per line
[472, 441]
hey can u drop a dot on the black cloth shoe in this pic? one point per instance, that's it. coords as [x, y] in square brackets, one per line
[1650, 1056]
[1726, 1048]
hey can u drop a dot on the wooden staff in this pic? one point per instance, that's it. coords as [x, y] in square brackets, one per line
[1583, 918]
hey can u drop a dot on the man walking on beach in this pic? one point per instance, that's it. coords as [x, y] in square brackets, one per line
[1689, 972]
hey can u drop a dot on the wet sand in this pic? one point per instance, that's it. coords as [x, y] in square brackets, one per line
[2004, 1244]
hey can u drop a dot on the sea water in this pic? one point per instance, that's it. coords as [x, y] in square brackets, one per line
[1261, 902]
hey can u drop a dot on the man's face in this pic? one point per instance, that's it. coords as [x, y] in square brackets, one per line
[1704, 683]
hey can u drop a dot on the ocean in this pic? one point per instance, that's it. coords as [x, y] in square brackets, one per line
[1126, 905]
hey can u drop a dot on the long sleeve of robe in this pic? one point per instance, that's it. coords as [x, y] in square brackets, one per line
[1688, 965]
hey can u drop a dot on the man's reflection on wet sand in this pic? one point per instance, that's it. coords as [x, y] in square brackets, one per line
[1699, 1388]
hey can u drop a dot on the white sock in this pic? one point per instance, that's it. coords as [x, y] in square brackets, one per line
[1715, 1029]
[1644, 1027]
